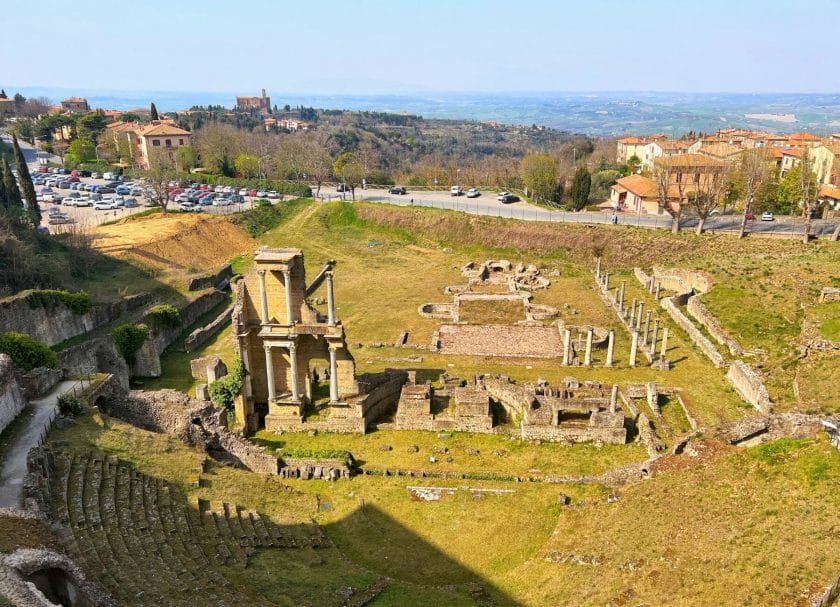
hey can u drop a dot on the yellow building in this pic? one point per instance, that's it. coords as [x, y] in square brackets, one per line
[824, 159]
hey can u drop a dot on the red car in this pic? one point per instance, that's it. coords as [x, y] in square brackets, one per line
[203, 187]
[74, 179]
[750, 215]
[43, 169]
[252, 193]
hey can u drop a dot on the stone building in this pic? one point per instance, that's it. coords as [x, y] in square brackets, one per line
[279, 334]
[75, 105]
[260, 104]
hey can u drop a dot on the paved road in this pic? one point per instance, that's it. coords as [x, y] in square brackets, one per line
[486, 204]
[13, 466]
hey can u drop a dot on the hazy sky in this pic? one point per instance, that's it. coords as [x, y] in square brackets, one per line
[376, 46]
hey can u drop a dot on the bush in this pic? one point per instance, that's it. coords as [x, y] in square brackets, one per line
[128, 340]
[316, 454]
[27, 353]
[79, 302]
[224, 391]
[164, 316]
[70, 405]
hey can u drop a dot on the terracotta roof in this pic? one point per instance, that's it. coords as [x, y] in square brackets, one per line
[720, 150]
[690, 160]
[639, 185]
[156, 130]
[829, 191]
[672, 144]
[803, 137]
[632, 141]
[795, 152]
[776, 152]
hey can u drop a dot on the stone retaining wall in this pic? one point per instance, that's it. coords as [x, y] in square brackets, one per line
[700, 340]
[748, 384]
[699, 311]
[201, 335]
[305, 468]
[383, 396]
[58, 323]
[39, 381]
[12, 400]
[98, 354]
[205, 281]
[683, 279]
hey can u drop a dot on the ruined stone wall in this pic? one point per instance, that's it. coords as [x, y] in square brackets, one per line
[829, 294]
[58, 323]
[12, 401]
[512, 397]
[39, 381]
[699, 311]
[672, 278]
[203, 334]
[311, 468]
[700, 340]
[98, 353]
[205, 281]
[453, 423]
[748, 384]
[616, 436]
[383, 396]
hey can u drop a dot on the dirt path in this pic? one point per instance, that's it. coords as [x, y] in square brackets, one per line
[13, 466]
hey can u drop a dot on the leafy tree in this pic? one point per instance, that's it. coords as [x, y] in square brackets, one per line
[27, 353]
[32, 208]
[154, 112]
[539, 174]
[580, 188]
[247, 165]
[19, 100]
[161, 172]
[602, 181]
[70, 405]
[81, 150]
[128, 339]
[14, 202]
[91, 126]
[223, 392]
[186, 158]
[633, 164]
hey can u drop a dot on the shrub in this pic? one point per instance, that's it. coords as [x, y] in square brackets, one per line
[128, 340]
[27, 353]
[225, 390]
[70, 404]
[316, 454]
[164, 316]
[79, 302]
[261, 219]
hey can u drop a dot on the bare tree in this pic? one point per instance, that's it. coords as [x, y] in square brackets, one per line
[161, 171]
[663, 174]
[317, 163]
[808, 185]
[753, 171]
[710, 187]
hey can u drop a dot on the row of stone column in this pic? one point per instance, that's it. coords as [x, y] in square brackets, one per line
[290, 315]
[587, 357]
[640, 334]
[293, 370]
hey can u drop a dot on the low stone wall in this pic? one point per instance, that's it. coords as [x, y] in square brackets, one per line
[555, 434]
[331, 469]
[39, 381]
[383, 395]
[748, 384]
[829, 294]
[446, 423]
[201, 335]
[205, 281]
[677, 279]
[98, 354]
[58, 323]
[12, 400]
[147, 360]
[699, 311]
[700, 340]
[826, 597]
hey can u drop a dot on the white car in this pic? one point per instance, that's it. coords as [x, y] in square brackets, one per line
[473, 193]
[104, 205]
[70, 202]
[272, 194]
[82, 202]
[456, 190]
[502, 196]
[767, 216]
[49, 198]
[243, 192]
[262, 194]
[189, 207]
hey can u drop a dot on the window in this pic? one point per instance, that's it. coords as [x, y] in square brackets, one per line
[169, 143]
[679, 177]
[155, 142]
[180, 142]
[696, 177]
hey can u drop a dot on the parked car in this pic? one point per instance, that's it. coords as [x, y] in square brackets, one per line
[60, 219]
[455, 190]
[397, 190]
[222, 202]
[502, 195]
[43, 169]
[206, 200]
[272, 194]
[68, 201]
[81, 202]
[473, 193]
[507, 198]
[135, 191]
[119, 200]
[750, 215]
[74, 179]
[189, 207]
[74, 195]
[236, 198]
[182, 198]
[261, 194]
[96, 175]
[64, 184]
[130, 203]
[122, 189]
[104, 205]
[342, 187]
[49, 198]
[767, 216]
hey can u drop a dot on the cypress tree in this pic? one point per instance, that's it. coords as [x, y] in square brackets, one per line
[26, 185]
[154, 111]
[13, 199]
[3, 203]
[580, 188]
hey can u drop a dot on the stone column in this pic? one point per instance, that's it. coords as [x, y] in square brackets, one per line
[587, 358]
[567, 347]
[639, 316]
[647, 328]
[632, 313]
[634, 345]
[330, 300]
[664, 341]
[653, 339]
[263, 295]
[650, 285]
[269, 374]
[607, 281]
[657, 290]
[290, 316]
[598, 268]
[613, 398]
[333, 376]
[610, 349]
[293, 363]
[621, 296]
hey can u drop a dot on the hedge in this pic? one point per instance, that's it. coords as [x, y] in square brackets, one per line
[27, 353]
[224, 391]
[164, 316]
[128, 340]
[292, 188]
[79, 302]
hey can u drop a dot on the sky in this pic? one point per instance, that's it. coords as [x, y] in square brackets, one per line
[422, 46]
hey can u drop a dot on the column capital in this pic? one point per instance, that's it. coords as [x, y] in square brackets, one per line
[261, 272]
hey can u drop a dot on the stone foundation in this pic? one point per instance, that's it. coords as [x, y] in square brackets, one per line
[748, 384]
